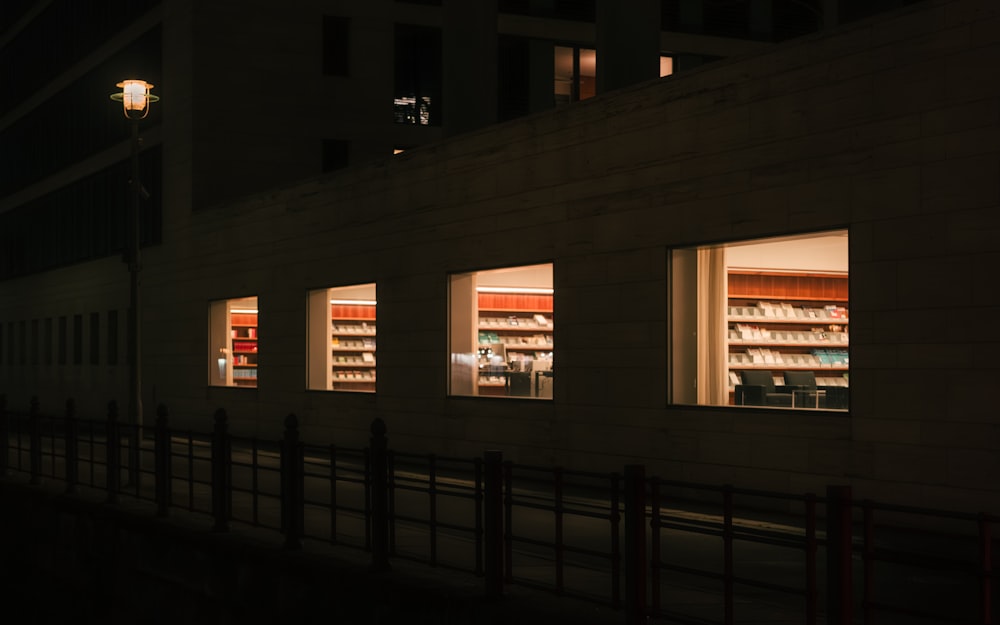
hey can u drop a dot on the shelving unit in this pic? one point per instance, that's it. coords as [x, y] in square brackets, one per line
[352, 347]
[789, 322]
[515, 344]
[243, 347]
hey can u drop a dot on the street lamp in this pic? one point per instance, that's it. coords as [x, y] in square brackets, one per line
[135, 98]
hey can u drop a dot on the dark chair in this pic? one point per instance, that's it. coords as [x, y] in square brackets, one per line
[801, 385]
[806, 394]
[758, 390]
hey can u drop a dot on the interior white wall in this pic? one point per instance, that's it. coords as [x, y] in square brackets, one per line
[814, 253]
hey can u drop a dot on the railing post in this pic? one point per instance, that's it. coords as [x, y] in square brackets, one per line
[112, 452]
[493, 522]
[654, 544]
[986, 571]
[508, 521]
[380, 496]
[480, 530]
[71, 442]
[812, 592]
[292, 484]
[163, 469]
[557, 500]
[4, 435]
[728, 565]
[221, 491]
[868, 559]
[35, 436]
[635, 544]
[839, 546]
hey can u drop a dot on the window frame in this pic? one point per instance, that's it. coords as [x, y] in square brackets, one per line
[519, 363]
[228, 345]
[800, 331]
[357, 329]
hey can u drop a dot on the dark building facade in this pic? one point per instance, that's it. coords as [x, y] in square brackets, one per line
[598, 243]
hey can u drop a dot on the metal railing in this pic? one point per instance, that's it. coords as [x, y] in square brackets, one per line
[648, 545]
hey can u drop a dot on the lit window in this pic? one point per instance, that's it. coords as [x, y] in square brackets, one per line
[575, 74]
[417, 80]
[666, 65]
[233, 342]
[761, 323]
[501, 332]
[341, 346]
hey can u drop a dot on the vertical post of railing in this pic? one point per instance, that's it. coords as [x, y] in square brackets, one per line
[4, 435]
[221, 489]
[292, 470]
[380, 496]
[162, 455]
[71, 443]
[432, 513]
[840, 601]
[812, 591]
[368, 498]
[390, 498]
[986, 571]
[616, 548]
[333, 493]
[868, 559]
[557, 496]
[493, 525]
[112, 449]
[635, 544]
[654, 546]
[254, 486]
[508, 521]
[478, 471]
[35, 438]
[728, 572]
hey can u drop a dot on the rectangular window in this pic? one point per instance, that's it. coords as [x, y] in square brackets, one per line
[666, 65]
[501, 332]
[575, 74]
[63, 340]
[336, 45]
[112, 337]
[336, 154]
[417, 90]
[232, 344]
[761, 323]
[95, 338]
[342, 336]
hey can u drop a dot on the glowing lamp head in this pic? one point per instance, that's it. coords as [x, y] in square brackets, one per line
[135, 98]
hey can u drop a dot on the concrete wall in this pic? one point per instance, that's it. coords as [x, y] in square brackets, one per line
[887, 127]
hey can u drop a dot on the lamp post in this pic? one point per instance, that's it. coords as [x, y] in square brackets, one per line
[135, 98]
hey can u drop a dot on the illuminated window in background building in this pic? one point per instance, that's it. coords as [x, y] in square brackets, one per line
[501, 327]
[412, 110]
[575, 74]
[341, 339]
[761, 323]
[232, 342]
[417, 85]
[666, 65]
